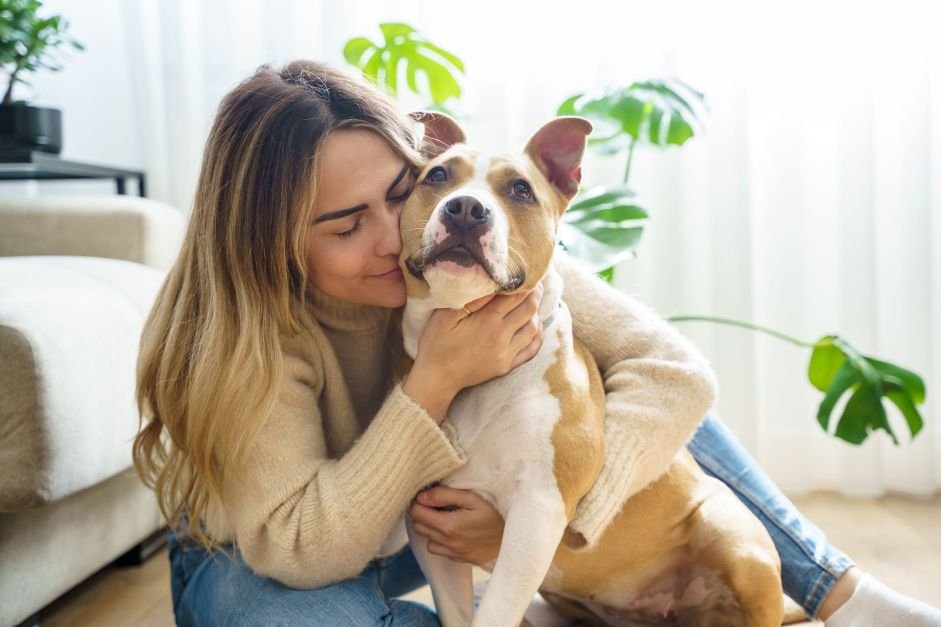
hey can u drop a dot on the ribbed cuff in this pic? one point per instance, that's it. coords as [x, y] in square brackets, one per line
[401, 451]
[604, 501]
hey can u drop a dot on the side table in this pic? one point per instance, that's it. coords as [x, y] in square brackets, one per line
[36, 166]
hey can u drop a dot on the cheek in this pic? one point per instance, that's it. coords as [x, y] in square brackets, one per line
[332, 263]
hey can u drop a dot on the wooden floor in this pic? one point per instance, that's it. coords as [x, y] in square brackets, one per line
[896, 539]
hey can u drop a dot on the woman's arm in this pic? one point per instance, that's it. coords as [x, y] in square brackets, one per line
[658, 387]
[307, 520]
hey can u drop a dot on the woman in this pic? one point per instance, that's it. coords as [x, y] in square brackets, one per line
[279, 445]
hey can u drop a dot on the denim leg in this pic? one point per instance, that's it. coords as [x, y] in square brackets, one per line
[220, 589]
[397, 574]
[809, 564]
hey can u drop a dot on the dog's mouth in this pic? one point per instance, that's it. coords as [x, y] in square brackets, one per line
[448, 250]
[466, 256]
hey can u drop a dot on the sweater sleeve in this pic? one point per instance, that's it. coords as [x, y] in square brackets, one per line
[658, 387]
[307, 520]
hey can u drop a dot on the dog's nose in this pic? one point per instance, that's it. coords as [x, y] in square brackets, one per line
[467, 211]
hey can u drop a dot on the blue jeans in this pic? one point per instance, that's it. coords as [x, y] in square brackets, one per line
[220, 589]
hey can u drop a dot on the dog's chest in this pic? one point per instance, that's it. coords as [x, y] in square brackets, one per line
[505, 426]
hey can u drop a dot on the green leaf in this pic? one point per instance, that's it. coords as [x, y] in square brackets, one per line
[837, 386]
[568, 105]
[403, 44]
[440, 82]
[826, 360]
[448, 56]
[392, 73]
[658, 112]
[596, 254]
[393, 30]
[836, 366]
[864, 405]
[371, 66]
[355, 48]
[607, 274]
[911, 382]
[903, 401]
[602, 226]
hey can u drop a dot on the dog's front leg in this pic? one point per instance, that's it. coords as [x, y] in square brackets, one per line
[531, 536]
[452, 583]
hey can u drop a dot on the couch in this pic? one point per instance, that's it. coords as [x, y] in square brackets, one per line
[78, 275]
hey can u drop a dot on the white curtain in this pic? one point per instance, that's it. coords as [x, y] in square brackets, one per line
[810, 204]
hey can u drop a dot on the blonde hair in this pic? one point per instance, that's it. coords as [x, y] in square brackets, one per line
[210, 355]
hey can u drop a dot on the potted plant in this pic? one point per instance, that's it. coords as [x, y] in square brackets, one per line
[27, 42]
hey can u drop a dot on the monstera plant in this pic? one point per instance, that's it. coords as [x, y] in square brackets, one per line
[604, 225]
[405, 50]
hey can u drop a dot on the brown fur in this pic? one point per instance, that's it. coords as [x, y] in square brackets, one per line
[578, 436]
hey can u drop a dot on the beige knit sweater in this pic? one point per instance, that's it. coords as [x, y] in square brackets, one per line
[345, 451]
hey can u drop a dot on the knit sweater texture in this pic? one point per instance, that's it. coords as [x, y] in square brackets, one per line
[345, 449]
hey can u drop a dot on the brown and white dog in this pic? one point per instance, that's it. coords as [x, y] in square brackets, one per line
[684, 551]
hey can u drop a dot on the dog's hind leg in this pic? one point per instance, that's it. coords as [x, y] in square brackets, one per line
[738, 550]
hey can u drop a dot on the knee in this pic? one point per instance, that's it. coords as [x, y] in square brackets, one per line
[352, 602]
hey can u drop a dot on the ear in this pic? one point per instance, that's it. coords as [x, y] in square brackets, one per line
[557, 149]
[441, 132]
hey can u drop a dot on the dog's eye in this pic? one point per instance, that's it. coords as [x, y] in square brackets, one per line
[437, 175]
[521, 189]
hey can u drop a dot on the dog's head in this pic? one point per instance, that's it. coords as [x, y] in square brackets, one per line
[477, 224]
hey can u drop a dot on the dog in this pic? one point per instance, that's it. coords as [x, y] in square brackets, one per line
[685, 551]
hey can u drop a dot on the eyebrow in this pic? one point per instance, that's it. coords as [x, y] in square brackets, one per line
[342, 213]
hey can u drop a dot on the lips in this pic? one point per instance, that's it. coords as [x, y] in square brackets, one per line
[389, 274]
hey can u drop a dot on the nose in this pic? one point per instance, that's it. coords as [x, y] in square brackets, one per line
[467, 211]
[389, 240]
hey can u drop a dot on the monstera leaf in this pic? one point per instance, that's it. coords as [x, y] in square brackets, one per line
[602, 227]
[836, 368]
[403, 45]
[658, 112]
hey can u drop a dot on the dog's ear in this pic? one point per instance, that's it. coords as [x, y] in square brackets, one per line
[441, 132]
[557, 149]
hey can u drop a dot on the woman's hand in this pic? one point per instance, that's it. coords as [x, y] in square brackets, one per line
[458, 524]
[458, 350]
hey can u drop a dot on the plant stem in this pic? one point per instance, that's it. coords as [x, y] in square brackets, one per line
[744, 325]
[8, 96]
[630, 158]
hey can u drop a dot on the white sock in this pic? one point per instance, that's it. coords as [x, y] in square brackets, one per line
[874, 604]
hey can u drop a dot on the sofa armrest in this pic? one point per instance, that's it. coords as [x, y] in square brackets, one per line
[116, 227]
[69, 334]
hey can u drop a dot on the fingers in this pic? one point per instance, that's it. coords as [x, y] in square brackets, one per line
[440, 549]
[443, 496]
[477, 305]
[431, 533]
[431, 517]
[503, 304]
[529, 350]
[526, 309]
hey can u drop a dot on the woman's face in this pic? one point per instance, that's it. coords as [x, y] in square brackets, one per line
[353, 244]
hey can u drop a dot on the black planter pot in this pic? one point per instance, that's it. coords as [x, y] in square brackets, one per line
[24, 127]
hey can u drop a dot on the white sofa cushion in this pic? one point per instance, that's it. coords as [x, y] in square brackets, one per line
[69, 334]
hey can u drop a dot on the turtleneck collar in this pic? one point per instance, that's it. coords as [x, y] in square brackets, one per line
[342, 315]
